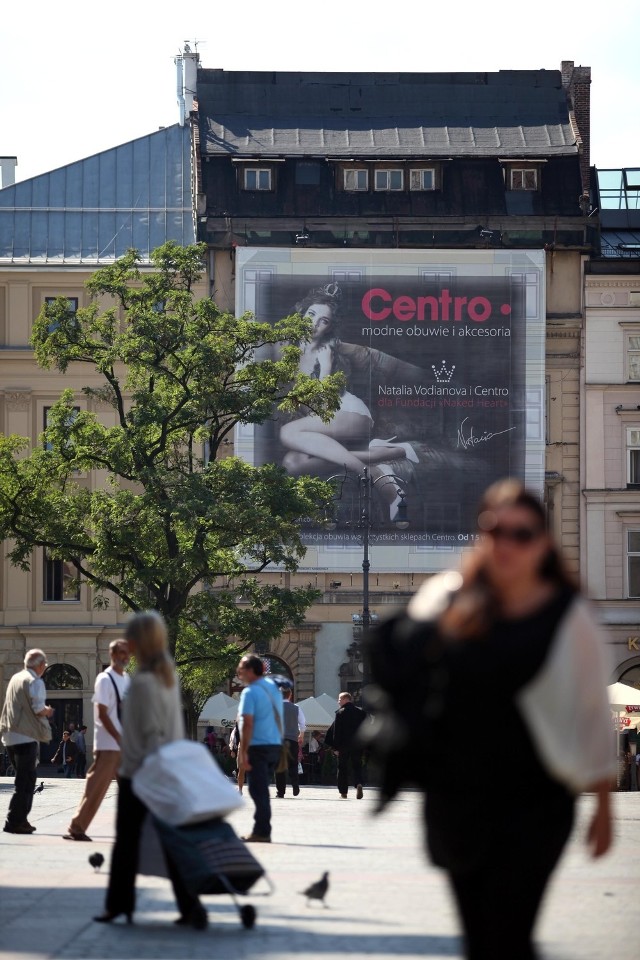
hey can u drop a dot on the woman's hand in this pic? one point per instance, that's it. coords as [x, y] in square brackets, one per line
[599, 833]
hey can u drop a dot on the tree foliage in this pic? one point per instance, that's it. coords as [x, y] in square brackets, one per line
[149, 507]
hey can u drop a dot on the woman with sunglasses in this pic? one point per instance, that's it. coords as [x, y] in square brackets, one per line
[508, 652]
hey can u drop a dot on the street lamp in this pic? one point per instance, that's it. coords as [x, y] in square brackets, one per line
[366, 484]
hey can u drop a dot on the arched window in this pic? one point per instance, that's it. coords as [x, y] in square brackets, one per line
[275, 667]
[61, 676]
[632, 676]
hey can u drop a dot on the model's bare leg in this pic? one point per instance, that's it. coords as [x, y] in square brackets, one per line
[297, 464]
[301, 463]
[380, 454]
[317, 439]
[388, 487]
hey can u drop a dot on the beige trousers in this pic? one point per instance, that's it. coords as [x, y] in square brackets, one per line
[99, 776]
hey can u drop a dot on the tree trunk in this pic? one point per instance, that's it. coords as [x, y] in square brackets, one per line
[191, 714]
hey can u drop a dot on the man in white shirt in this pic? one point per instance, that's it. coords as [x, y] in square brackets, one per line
[24, 724]
[109, 691]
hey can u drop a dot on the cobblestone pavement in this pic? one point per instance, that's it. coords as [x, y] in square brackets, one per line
[385, 901]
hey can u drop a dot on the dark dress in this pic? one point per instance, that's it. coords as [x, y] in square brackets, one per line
[496, 820]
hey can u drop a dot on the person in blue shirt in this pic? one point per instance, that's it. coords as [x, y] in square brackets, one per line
[261, 726]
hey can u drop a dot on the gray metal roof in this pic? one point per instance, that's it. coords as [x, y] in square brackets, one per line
[136, 195]
[507, 114]
[620, 244]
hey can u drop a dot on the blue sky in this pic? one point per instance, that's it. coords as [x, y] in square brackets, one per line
[79, 78]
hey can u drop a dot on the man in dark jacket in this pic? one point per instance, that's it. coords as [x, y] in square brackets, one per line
[340, 736]
[66, 755]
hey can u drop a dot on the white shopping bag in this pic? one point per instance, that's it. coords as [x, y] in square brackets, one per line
[181, 783]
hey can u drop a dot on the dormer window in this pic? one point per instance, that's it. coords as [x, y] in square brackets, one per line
[257, 178]
[423, 178]
[356, 179]
[389, 180]
[523, 179]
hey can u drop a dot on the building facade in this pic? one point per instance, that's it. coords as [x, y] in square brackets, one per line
[432, 180]
[610, 455]
[344, 178]
[55, 231]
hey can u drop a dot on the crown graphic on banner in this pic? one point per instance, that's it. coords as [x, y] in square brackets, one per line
[443, 375]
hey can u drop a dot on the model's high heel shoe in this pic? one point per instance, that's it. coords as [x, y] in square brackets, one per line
[393, 508]
[409, 452]
[109, 917]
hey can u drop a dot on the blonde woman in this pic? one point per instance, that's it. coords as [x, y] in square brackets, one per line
[152, 716]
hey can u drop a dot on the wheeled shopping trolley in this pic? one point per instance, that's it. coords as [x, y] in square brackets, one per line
[209, 856]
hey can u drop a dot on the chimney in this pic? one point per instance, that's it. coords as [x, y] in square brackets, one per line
[576, 82]
[8, 171]
[187, 81]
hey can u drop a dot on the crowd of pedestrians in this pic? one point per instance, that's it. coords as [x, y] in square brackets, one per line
[509, 640]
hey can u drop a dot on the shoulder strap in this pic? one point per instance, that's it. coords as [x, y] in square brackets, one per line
[118, 697]
[275, 711]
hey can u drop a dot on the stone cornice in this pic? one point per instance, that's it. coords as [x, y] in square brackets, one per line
[630, 282]
[565, 333]
[626, 499]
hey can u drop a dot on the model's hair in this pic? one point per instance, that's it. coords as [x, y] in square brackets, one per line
[147, 631]
[329, 295]
[34, 658]
[476, 604]
[254, 663]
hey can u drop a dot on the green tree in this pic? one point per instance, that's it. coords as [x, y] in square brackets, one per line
[173, 523]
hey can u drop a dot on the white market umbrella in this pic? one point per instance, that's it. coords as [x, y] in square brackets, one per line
[315, 715]
[329, 704]
[219, 711]
[622, 696]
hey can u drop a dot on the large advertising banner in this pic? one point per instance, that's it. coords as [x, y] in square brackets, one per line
[443, 358]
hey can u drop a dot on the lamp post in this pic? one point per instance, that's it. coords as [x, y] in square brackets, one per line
[366, 484]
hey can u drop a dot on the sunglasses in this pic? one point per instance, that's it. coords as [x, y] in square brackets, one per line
[522, 536]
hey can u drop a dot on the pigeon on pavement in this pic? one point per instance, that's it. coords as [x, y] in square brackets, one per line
[40, 788]
[96, 860]
[317, 890]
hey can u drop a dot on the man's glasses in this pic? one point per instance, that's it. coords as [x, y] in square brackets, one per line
[522, 536]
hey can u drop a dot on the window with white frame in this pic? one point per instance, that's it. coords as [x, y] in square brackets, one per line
[389, 180]
[357, 179]
[422, 179]
[344, 276]
[633, 457]
[633, 563]
[60, 578]
[523, 179]
[530, 285]
[633, 356]
[257, 178]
